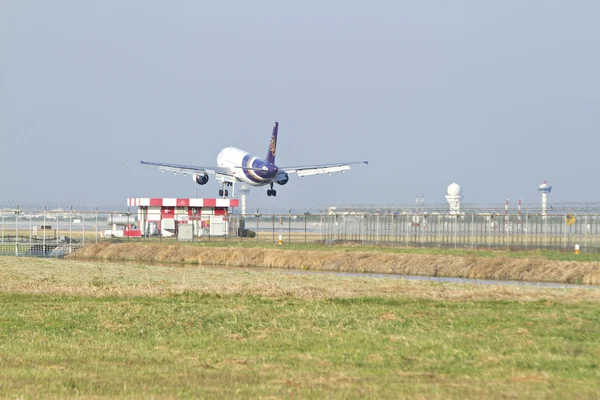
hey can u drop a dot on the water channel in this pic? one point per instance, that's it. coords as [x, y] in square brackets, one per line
[434, 279]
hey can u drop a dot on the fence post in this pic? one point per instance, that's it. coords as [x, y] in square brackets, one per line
[526, 231]
[322, 236]
[377, 228]
[304, 228]
[455, 226]
[437, 231]
[545, 228]
[567, 232]
[44, 237]
[472, 230]
[17, 231]
[506, 234]
[585, 235]
[406, 230]
[96, 224]
[489, 224]
[71, 230]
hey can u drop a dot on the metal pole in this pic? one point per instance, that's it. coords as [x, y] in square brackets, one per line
[545, 227]
[304, 228]
[322, 239]
[377, 238]
[406, 230]
[526, 231]
[96, 224]
[44, 237]
[490, 231]
[437, 231]
[71, 230]
[507, 223]
[455, 223]
[585, 235]
[30, 228]
[17, 231]
[567, 234]
[360, 225]
[83, 227]
[128, 214]
[472, 230]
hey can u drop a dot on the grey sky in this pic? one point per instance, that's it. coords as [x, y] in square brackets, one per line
[493, 95]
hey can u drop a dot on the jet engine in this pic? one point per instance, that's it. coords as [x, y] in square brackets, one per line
[200, 179]
[284, 181]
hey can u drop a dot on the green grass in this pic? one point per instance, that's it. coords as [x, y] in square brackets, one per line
[78, 329]
[193, 345]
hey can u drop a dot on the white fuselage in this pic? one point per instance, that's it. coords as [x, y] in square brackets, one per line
[245, 167]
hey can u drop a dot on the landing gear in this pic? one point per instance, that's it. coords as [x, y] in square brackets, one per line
[224, 192]
[271, 192]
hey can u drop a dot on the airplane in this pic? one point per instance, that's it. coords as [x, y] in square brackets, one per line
[236, 165]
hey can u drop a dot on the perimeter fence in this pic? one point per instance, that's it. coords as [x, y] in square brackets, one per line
[525, 231]
[57, 232]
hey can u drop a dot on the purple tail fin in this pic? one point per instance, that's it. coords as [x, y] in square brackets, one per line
[273, 144]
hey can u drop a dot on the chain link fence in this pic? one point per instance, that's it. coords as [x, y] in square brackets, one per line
[58, 232]
[468, 230]
[526, 231]
[51, 233]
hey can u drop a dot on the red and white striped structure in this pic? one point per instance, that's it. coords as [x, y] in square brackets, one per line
[164, 215]
[173, 202]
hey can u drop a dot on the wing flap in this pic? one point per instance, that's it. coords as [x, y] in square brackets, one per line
[322, 169]
[188, 169]
[317, 171]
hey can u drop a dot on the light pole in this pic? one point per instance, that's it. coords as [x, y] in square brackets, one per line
[17, 212]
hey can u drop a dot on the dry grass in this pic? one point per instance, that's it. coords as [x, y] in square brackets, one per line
[98, 279]
[501, 268]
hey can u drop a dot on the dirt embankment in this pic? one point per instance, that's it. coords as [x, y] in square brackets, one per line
[501, 268]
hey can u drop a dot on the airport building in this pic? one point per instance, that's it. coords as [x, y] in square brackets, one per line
[182, 217]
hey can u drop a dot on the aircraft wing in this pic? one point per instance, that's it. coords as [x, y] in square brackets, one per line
[322, 168]
[189, 169]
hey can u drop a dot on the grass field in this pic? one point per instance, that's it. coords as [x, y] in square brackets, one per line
[533, 266]
[97, 330]
[245, 243]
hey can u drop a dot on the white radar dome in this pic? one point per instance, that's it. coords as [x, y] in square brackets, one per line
[454, 189]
